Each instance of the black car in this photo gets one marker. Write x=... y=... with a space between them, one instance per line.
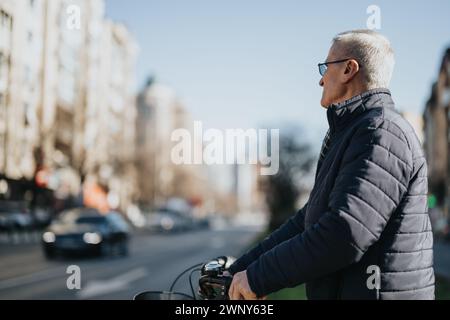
x=15 y=216
x=87 y=231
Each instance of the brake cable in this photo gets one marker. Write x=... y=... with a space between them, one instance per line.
x=190 y=282
x=181 y=274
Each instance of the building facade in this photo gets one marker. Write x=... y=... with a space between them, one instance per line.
x=67 y=105
x=160 y=112
x=21 y=52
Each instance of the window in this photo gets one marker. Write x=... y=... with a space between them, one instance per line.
x=26 y=107
x=5 y=20
x=4 y=66
x=95 y=220
x=1 y=64
x=27 y=72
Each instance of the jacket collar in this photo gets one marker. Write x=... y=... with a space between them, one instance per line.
x=340 y=114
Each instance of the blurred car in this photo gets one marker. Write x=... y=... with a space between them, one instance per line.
x=219 y=221
x=14 y=215
x=167 y=220
x=202 y=223
x=41 y=218
x=84 y=230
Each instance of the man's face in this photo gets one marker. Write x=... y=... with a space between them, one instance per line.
x=332 y=82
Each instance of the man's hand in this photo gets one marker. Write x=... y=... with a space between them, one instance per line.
x=240 y=289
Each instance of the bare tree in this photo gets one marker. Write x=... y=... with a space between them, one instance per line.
x=284 y=189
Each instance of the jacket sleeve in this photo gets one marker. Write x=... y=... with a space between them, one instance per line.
x=294 y=226
x=369 y=185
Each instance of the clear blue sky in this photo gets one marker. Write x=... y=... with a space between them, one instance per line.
x=246 y=63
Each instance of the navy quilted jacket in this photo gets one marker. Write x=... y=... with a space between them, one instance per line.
x=365 y=232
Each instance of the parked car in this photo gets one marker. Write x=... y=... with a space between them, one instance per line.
x=14 y=216
x=202 y=223
x=167 y=220
x=42 y=218
x=85 y=230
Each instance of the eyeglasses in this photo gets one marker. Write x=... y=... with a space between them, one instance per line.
x=324 y=66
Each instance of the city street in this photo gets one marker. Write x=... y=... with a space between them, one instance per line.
x=153 y=263
x=442 y=259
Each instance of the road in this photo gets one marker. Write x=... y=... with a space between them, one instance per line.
x=154 y=262
x=441 y=254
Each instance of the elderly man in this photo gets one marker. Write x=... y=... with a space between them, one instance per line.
x=365 y=232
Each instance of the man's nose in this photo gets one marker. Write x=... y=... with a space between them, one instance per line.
x=321 y=82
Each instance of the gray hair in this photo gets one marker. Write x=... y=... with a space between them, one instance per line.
x=373 y=53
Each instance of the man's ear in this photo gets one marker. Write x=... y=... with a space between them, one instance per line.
x=351 y=70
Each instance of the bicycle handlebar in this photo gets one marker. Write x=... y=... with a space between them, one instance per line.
x=214 y=283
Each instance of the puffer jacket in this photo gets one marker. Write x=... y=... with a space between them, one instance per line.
x=365 y=232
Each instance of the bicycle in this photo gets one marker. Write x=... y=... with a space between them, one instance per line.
x=213 y=284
